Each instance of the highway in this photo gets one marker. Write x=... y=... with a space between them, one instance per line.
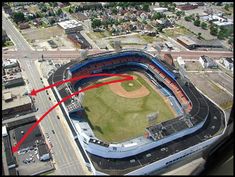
x=66 y=155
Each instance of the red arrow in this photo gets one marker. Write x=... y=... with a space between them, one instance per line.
x=34 y=92
x=126 y=77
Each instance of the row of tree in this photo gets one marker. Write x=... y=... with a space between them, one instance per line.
x=196 y=21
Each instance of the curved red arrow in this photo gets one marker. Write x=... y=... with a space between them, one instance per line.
x=34 y=92
x=126 y=77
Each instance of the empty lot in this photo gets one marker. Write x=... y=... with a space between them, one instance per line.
x=209 y=84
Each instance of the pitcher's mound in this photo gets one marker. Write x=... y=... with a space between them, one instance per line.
x=119 y=90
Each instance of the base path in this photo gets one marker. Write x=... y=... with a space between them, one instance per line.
x=119 y=90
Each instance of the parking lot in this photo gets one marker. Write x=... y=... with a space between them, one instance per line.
x=193 y=66
x=209 y=83
x=39 y=38
x=222 y=79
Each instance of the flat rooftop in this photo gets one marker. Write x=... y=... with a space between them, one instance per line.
x=18 y=99
x=69 y=24
x=31 y=139
x=186 y=40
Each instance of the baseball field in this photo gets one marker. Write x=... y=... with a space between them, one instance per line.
x=115 y=114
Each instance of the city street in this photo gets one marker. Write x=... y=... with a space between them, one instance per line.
x=65 y=152
x=66 y=155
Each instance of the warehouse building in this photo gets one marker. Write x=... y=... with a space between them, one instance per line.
x=70 y=26
x=11 y=66
x=186 y=42
x=19 y=163
x=11 y=80
x=193 y=43
x=14 y=101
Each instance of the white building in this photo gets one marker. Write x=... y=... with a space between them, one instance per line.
x=4 y=131
x=228 y=63
x=70 y=26
x=181 y=62
x=160 y=9
x=207 y=62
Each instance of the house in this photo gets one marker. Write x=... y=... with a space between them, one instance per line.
x=24 y=25
x=207 y=62
x=37 y=22
x=228 y=63
x=7 y=9
x=165 y=23
x=143 y=16
x=46 y=21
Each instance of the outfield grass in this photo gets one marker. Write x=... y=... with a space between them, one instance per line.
x=135 y=85
x=114 y=118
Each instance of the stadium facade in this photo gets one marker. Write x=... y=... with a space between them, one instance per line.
x=199 y=122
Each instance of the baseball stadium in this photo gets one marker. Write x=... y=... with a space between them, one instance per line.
x=136 y=126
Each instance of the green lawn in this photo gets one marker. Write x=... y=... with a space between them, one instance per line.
x=178 y=31
x=131 y=85
x=114 y=118
x=8 y=44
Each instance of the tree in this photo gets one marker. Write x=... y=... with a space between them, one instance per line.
x=197 y=22
x=223 y=33
x=171 y=8
x=214 y=30
x=146 y=7
x=230 y=41
x=96 y=23
x=178 y=13
x=59 y=12
x=18 y=17
x=157 y=15
x=226 y=7
x=44 y=8
x=199 y=35
x=204 y=25
x=70 y=10
x=114 y=10
x=187 y=18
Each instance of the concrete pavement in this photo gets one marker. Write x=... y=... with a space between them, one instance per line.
x=65 y=153
x=76 y=54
